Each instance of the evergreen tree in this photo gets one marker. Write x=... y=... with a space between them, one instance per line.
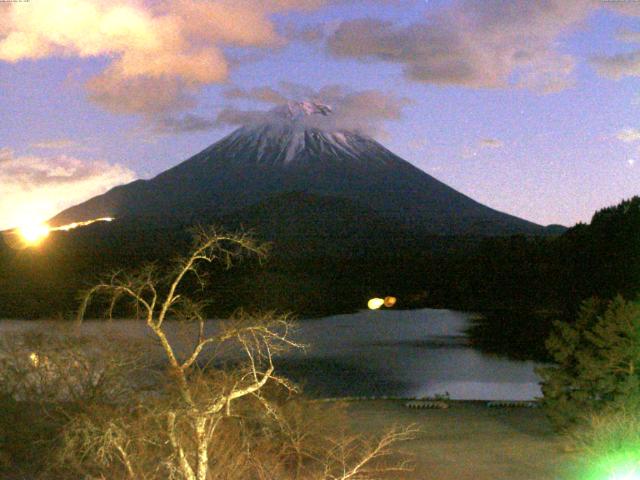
x=597 y=361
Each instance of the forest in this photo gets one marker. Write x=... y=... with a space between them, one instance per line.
x=520 y=284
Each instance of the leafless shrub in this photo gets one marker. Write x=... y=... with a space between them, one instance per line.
x=46 y=379
x=55 y=367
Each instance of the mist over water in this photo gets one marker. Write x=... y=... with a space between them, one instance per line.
x=407 y=353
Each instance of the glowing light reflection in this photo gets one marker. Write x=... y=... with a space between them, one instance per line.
x=376 y=303
x=34 y=358
x=71 y=226
x=625 y=474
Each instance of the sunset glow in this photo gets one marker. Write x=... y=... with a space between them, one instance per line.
x=33 y=234
x=71 y=226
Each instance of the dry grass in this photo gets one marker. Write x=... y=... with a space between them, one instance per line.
x=469 y=441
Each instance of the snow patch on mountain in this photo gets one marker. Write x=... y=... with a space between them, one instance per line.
x=297 y=143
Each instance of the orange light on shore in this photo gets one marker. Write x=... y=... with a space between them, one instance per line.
x=375 y=303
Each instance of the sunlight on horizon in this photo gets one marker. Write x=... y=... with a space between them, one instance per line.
x=33 y=234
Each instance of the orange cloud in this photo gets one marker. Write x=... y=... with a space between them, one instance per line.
x=151 y=96
x=36 y=188
x=166 y=48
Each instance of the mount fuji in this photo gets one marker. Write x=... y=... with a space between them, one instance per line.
x=294 y=152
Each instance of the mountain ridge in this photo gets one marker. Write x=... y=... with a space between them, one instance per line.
x=284 y=154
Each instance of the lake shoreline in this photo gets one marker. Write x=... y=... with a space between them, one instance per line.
x=381 y=353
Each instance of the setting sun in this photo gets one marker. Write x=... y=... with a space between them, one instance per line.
x=34 y=233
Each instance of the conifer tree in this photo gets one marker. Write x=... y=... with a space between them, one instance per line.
x=597 y=362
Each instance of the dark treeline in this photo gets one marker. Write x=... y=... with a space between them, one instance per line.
x=521 y=284
x=311 y=274
x=526 y=284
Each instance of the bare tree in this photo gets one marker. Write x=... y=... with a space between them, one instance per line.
x=48 y=377
x=354 y=458
x=182 y=429
x=318 y=442
x=157 y=297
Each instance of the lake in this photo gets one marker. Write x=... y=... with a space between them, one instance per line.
x=404 y=353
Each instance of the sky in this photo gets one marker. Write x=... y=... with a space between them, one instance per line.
x=531 y=107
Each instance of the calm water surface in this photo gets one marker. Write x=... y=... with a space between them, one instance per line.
x=412 y=353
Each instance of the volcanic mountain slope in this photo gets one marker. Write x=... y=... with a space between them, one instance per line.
x=285 y=153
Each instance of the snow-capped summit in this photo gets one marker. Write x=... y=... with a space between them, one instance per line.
x=297 y=132
x=277 y=143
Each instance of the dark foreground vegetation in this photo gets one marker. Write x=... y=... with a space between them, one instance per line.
x=74 y=407
x=591 y=391
x=116 y=422
x=198 y=406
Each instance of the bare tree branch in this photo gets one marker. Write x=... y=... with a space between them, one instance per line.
x=201 y=398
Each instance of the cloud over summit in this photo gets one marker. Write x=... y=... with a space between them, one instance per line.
x=365 y=111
